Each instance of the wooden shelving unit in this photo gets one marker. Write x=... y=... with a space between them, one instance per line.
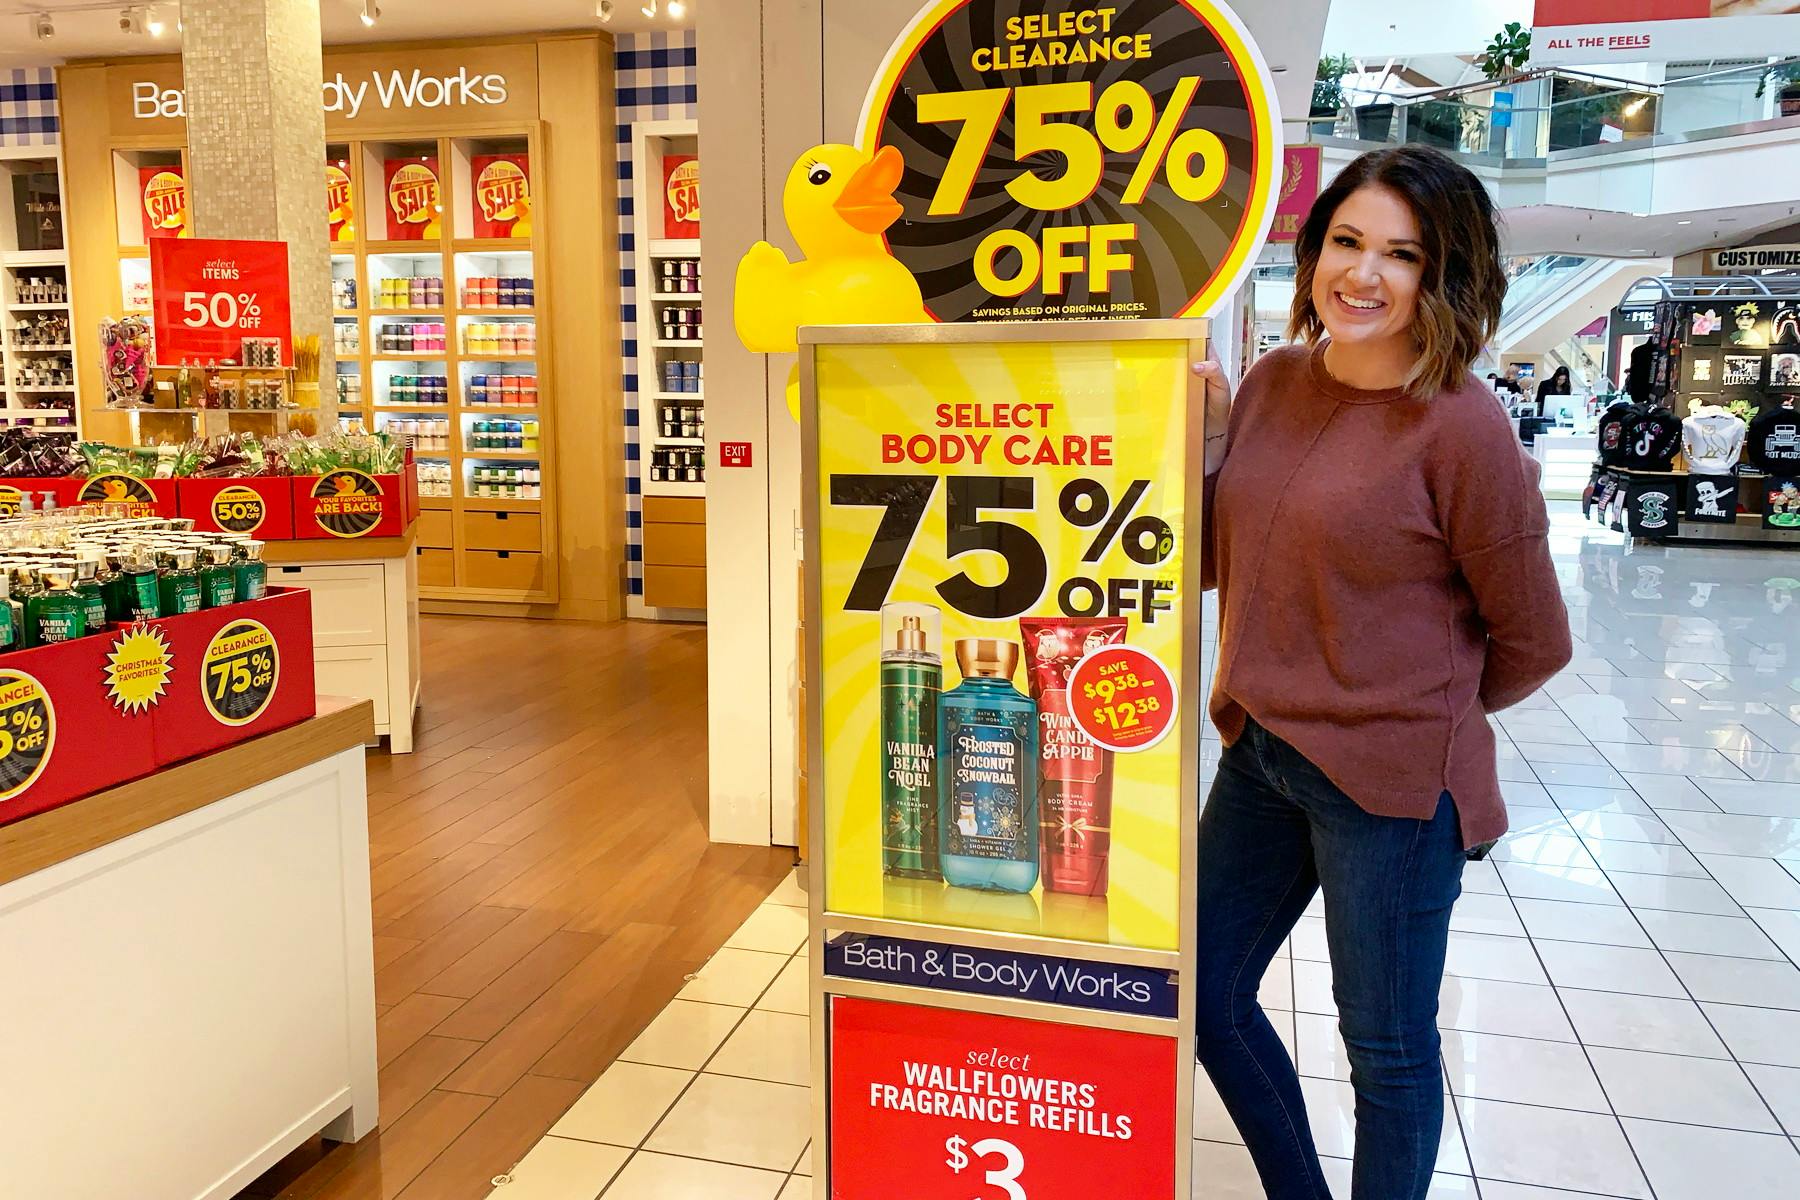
x=674 y=515
x=21 y=262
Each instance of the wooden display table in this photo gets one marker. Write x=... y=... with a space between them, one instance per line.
x=365 y=621
x=190 y=971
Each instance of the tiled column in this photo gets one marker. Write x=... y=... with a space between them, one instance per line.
x=256 y=144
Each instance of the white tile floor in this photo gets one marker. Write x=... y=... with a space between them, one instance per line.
x=1622 y=1003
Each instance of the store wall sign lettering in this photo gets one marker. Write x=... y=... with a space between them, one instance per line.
x=387 y=90
x=211 y=295
x=1077 y=162
x=1299 y=188
x=1585 y=32
x=1785 y=257
x=935 y=1104
x=1014 y=974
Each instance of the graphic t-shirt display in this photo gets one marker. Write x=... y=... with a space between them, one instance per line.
x=1652 y=435
x=1773 y=443
x=1712 y=437
x=1612 y=433
x=1712 y=497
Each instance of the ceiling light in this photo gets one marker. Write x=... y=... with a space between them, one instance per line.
x=1636 y=106
x=677 y=10
x=370 y=14
x=1684 y=222
x=604 y=10
x=154 y=24
x=42 y=27
x=649 y=10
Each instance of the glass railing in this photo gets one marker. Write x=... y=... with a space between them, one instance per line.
x=1542 y=113
x=1539 y=281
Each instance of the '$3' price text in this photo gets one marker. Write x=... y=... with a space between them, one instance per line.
x=1005 y=1176
x=1146 y=540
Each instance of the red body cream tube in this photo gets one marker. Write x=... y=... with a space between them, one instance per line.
x=1074 y=774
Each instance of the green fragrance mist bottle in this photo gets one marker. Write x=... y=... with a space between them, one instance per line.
x=87 y=586
x=218 y=582
x=912 y=676
x=252 y=572
x=131 y=594
x=12 y=616
x=25 y=587
x=988 y=755
x=178 y=591
x=57 y=613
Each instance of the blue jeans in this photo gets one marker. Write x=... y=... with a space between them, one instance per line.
x=1274 y=831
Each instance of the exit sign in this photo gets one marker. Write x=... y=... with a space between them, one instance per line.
x=734 y=454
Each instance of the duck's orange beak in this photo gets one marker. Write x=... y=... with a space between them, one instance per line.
x=867 y=202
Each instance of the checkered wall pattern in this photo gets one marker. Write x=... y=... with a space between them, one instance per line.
x=654 y=81
x=28 y=106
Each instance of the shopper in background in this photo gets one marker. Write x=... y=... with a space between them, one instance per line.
x=1378 y=543
x=1556 y=385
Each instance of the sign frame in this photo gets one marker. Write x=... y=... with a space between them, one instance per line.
x=824 y=923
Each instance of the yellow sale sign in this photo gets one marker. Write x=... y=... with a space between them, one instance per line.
x=1002 y=541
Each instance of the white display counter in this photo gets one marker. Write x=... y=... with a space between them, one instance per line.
x=1567 y=458
x=190 y=988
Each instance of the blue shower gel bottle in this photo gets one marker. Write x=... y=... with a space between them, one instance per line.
x=987 y=778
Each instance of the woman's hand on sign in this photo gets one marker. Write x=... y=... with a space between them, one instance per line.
x=1218 y=411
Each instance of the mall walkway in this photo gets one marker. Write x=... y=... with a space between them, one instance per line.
x=1622 y=1013
x=542 y=884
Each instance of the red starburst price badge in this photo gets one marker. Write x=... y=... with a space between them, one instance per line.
x=1123 y=698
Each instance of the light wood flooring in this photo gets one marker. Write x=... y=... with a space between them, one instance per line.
x=542 y=883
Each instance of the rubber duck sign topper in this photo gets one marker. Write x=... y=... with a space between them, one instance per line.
x=1032 y=160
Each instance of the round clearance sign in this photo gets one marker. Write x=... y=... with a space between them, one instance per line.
x=1069 y=161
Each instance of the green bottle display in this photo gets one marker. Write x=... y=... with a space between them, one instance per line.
x=252 y=572
x=58 y=613
x=987 y=765
x=178 y=591
x=87 y=586
x=218 y=582
x=131 y=594
x=12 y=616
x=25 y=587
x=912 y=678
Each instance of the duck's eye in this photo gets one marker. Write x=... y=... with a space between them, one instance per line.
x=818 y=175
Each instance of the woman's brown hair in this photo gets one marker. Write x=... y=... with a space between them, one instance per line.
x=1463 y=282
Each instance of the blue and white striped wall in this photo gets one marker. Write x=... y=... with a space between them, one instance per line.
x=655 y=80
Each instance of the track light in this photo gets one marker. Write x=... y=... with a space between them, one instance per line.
x=604 y=11
x=370 y=14
x=42 y=27
x=131 y=20
x=649 y=9
x=677 y=10
x=153 y=23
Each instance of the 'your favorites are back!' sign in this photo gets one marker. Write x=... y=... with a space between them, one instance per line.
x=1115 y=160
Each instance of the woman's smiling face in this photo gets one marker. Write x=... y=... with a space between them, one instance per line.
x=1366 y=284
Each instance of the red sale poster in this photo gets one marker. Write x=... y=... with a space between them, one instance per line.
x=681 y=196
x=164 y=195
x=415 y=207
x=502 y=184
x=219 y=301
x=936 y=1104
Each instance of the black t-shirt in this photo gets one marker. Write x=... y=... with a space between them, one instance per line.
x=1612 y=433
x=1651 y=436
x=1773 y=442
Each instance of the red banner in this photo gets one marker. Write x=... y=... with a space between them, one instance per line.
x=937 y=1104
x=681 y=196
x=1594 y=12
x=220 y=302
x=1299 y=188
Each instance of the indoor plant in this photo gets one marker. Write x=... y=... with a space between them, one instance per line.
x=1328 y=90
x=1787 y=77
x=1505 y=56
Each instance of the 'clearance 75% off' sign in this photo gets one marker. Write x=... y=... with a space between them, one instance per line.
x=1104 y=161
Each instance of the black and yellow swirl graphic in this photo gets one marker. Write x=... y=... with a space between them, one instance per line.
x=1180 y=249
x=347 y=503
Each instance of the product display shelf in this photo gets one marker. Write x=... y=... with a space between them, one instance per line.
x=469 y=548
x=674 y=509
x=31 y=182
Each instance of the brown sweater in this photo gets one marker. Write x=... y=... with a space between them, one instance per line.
x=1384 y=583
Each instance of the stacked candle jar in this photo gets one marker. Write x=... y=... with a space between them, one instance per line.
x=499 y=291
x=346 y=338
x=434 y=478
x=343 y=293
x=680 y=324
x=678 y=276
x=428 y=435
x=503 y=435
x=410 y=337
x=349 y=391
x=680 y=375
x=502 y=391
x=678 y=464
x=683 y=420
x=413 y=291
x=410 y=391
x=507 y=483
x=512 y=340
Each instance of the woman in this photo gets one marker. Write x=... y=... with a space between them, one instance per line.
x=1556 y=385
x=1378 y=544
